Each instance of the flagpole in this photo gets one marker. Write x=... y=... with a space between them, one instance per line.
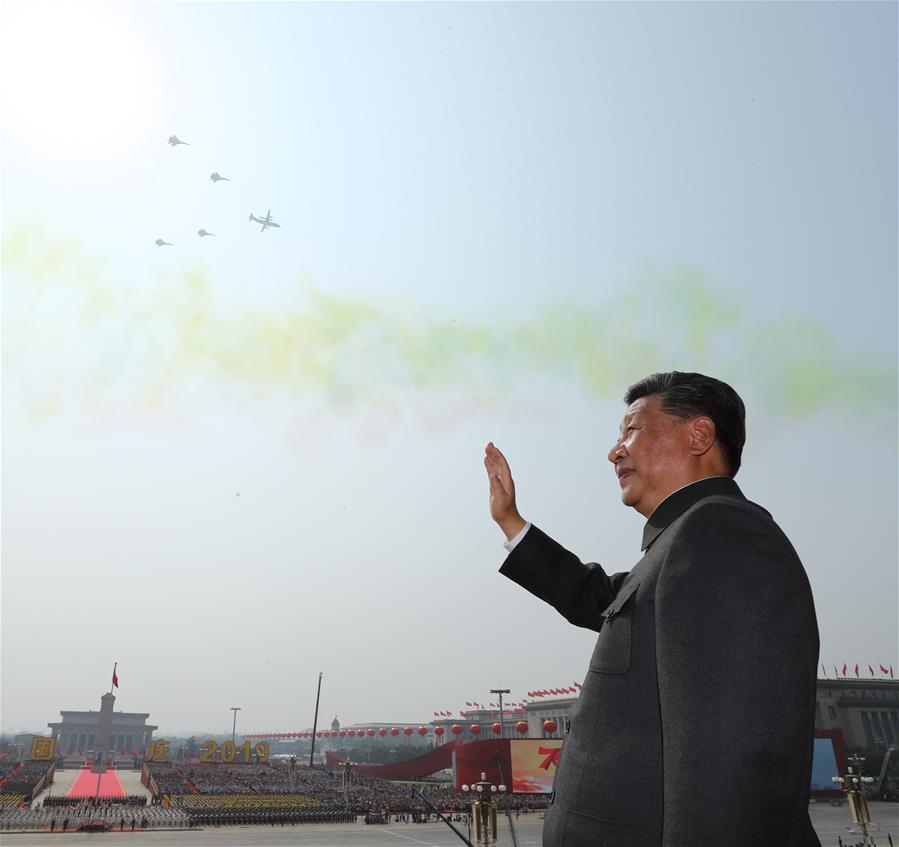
x=315 y=719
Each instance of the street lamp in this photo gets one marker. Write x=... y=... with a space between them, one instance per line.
x=483 y=808
x=234 y=709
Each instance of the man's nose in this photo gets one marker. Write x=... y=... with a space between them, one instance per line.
x=616 y=452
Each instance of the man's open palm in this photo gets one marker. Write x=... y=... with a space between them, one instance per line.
x=503 y=508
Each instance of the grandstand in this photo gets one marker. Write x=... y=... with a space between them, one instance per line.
x=174 y=794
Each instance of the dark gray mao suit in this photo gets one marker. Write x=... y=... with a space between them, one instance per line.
x=695 y=724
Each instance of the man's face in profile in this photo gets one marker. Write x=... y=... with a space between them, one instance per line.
x=650 y=456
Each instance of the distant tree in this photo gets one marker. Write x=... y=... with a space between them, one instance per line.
x=382 y=755
x=191 y=747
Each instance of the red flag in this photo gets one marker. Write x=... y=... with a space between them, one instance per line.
x=115 y=679
x=871 y=669
x=578 y=685
x=883 y=669
x=467 y=703
x=836 y=673
x=856 y=669
x=844 y=669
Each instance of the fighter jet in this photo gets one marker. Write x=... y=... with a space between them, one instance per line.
x=266 y=222
x=215 y=176
x=202 y=233
x=174 y=140
x=161 y=243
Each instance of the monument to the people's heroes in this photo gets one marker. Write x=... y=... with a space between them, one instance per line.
x=104 y=730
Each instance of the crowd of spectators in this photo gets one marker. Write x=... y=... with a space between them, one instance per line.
x=7 y=766
x=24 y=780
x=196 y=786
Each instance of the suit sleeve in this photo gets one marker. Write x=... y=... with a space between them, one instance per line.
x=736 y=653
x=579 y=592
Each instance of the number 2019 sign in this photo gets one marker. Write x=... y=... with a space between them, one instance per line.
x=212 y=752
x=228 y=751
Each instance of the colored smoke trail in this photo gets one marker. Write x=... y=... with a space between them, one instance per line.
x=70 y=328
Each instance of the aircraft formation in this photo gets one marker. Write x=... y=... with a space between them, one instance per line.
x=215 y=176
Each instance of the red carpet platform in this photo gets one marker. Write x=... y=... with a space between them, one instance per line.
x=86 y=785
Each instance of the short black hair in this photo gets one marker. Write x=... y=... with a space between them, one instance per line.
x=687 y=395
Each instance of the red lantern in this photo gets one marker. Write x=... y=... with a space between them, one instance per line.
x=351 y=733
x=343 y=733
x=408 y=730
x=522 y=727
x=371 y=732
x=496 y=728
x=455 y=729
x=422 y=731
x=318 y=735
x=475 y=729
x=438 y=731
x=382 y=732
x=394 y=732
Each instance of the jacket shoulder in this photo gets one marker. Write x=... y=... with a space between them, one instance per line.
x=733 y=527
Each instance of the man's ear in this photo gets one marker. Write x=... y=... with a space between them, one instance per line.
x=701 y=435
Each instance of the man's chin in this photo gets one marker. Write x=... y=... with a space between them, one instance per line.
x=629 y=496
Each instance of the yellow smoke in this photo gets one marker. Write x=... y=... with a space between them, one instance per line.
x=67 y=326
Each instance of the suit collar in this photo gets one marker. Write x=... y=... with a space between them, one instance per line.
x=676 y=503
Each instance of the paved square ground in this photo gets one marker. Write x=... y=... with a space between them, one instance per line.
x=830 y=822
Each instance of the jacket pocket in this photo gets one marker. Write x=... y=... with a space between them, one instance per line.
x=613 y=647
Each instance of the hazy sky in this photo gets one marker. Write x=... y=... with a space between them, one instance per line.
x=236 y=461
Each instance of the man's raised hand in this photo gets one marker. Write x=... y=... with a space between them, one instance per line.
x=502 y=492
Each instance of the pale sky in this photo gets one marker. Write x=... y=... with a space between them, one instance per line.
x=234 y=462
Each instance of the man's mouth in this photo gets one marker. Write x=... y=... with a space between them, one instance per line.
x=623 y=472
